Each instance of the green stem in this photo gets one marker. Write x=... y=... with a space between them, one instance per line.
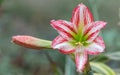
x=87 y=70
x=53 y=65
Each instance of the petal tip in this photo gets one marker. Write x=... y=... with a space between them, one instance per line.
x=52 y=21
x=81 y=4
x=17 y=37
x=21 y=37
x=103 y=23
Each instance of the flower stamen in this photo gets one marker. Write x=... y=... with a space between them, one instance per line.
x=79 y=43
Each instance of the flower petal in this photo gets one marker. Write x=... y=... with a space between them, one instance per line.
x=63 y=45
x=64 y=28
x=92 y=30
x=81 y=16
x=97 y=47
x=81 y=59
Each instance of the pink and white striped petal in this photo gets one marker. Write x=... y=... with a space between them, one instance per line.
x=96 y=47
x=92 y=30
x=63 y=45
x=81 y=59
x=64 y=28
x=81 y=16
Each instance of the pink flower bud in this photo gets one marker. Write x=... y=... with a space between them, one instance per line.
x=31 y=42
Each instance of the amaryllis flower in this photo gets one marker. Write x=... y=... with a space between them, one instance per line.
x=79 y=36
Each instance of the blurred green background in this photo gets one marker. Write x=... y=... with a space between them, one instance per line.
x=32 y=17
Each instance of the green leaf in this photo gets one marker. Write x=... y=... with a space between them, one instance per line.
x=117 y=71
x=70 y=66
x=101 y=68
x=113 y=55
x=97 y=74
x=99 y=58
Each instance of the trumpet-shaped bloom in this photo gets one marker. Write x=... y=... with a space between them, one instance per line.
x=79 y=36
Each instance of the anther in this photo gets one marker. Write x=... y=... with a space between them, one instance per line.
x=79 y=43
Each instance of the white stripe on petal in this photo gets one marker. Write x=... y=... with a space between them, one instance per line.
x=96 y=47
x=92 y=30
x=63 y=45
x=64 y=28
x=97 y=26
x=81 y=59
x=81 y=16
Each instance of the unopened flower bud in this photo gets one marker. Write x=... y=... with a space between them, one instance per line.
x=31 y=42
